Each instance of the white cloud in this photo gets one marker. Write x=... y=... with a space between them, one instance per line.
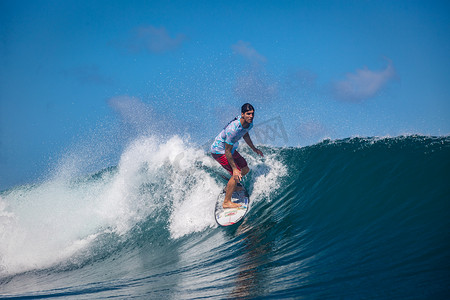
x=253 y=84
x=363 y=84
x=140 y=117
x=256 y=87
x=244 y=49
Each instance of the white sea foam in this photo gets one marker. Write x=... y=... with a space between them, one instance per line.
x=47 y=223
x=266 y=173
x=41 y=224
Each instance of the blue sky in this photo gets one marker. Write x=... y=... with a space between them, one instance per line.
x=77 y=75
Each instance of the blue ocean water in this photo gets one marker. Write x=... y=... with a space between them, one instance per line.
x=349 y=219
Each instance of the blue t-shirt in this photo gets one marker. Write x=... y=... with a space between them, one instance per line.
x=231 y=135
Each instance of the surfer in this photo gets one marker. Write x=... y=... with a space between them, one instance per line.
x=224 y=151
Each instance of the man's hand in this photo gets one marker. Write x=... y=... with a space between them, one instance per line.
x=249 y=142
x=259 y=152
x=237 y=175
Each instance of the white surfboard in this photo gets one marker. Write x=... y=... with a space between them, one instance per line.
x=230 y=216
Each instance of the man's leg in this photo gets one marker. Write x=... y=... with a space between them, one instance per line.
x=227 y=203
x=231 y=187
x=232 y=184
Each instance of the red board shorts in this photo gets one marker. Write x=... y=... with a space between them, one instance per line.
x=223 y=161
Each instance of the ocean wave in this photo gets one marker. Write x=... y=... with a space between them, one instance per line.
x=371 y=213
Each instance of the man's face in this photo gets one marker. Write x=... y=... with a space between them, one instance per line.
x=248 y=116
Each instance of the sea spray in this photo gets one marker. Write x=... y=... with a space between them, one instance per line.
x=172 y=183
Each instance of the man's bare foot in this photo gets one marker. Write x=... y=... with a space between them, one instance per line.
x=230 y=204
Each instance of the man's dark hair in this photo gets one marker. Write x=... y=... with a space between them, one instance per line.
x=246 y=107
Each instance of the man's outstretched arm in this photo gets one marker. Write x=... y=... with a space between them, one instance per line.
x=249 y=142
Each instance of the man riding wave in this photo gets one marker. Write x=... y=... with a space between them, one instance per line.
x=224 y=151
